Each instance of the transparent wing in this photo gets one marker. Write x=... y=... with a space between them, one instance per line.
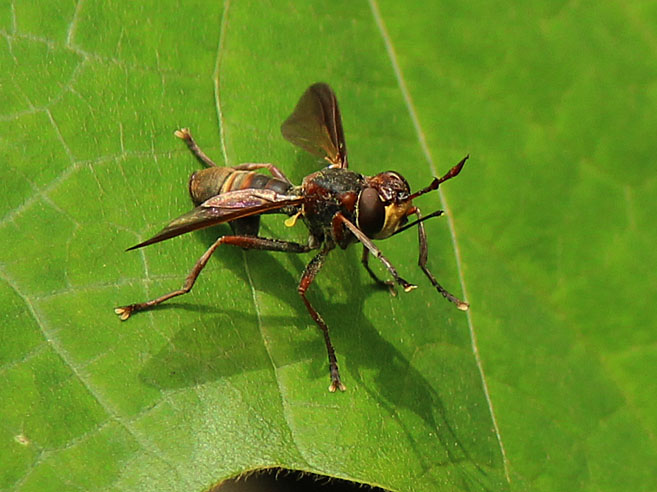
x=315 y=125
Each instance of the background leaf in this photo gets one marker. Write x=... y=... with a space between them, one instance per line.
x=547 y=384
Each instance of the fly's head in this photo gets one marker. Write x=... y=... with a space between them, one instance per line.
x=386 y=201
x=383 y=205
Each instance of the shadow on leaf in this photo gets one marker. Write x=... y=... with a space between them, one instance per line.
x=230 y=342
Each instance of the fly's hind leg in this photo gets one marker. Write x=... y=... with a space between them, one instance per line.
x=193 y=147
x=273 y=170
x=306 y=279
x=185 y=136
x=246 y=242
x=246 y=226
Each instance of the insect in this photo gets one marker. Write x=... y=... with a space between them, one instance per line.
x=339 y=207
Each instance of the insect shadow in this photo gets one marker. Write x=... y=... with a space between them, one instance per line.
x=229 y=342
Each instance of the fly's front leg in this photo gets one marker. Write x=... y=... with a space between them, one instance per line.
x=422 y=262
x=184 y=135
x=246 y=242
x=306 y=279
x=376 y=252
x=388 y=284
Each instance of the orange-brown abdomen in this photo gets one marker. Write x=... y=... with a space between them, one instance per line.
x=212 y=181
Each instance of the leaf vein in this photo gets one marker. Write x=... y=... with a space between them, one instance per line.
x=427 y=153
x=63 y=354
x=216 y=77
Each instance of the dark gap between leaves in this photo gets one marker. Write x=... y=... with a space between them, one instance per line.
x=281 y=480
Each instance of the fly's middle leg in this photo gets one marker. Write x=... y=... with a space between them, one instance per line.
x=388 y=284
x=306 y=279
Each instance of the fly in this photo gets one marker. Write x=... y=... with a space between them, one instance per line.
x=338 y=206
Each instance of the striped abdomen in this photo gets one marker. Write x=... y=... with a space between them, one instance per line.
x=212 y=181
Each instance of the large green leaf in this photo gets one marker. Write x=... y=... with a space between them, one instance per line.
x=547 y=384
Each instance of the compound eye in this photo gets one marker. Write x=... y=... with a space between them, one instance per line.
x=371 y=212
